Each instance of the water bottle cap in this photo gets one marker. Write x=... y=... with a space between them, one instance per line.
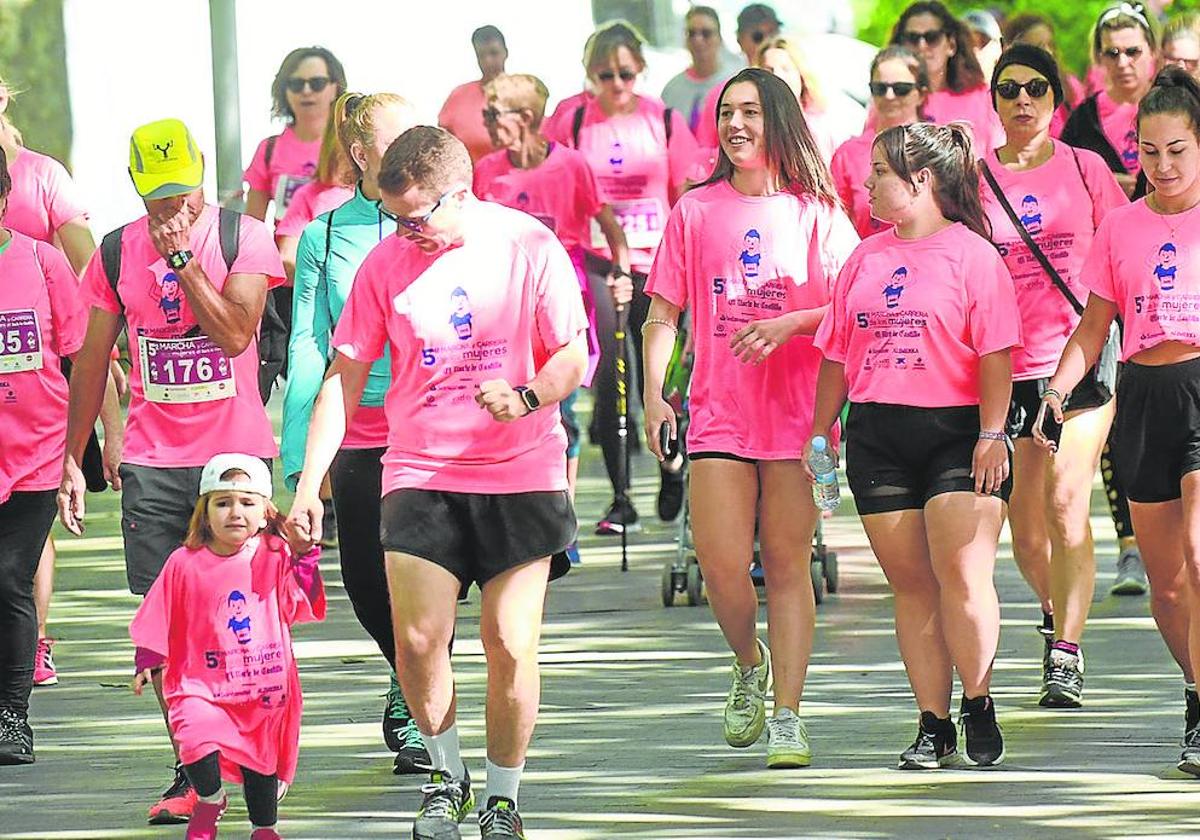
x=818 y=444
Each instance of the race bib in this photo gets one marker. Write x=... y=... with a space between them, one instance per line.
x=20 y=341
x=285 y=189
x=185 y=370
x=640 y=218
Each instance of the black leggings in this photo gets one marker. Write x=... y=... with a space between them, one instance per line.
x=261 y=792
x=604 y=386
x=25 y=521
x=356 y=477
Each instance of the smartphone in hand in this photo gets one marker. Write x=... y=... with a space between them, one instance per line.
x=1052 y=429
x=669 y=445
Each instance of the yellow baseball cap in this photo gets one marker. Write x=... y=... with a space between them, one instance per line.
x=164 y=160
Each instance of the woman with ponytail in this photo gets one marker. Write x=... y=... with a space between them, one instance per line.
x=919 y=335
x=752 y=252
x=1140 y=270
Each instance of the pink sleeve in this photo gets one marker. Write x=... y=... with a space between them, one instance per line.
x=257 y=254
x=362 y=330
x=557 y=126
x=559 y=308
x=832 y=336
x=682 y=152
x=992 y=315
x=833 y=241
x=95 y=287
x=1102 y=185
x=839 y=169
x=587 y=194
x=145 y=659
x=66 y=307
x=1096 y=273
x=256 y=176
x=151 y=626
x=668 y=278
x=62 y=196
x=301 y=590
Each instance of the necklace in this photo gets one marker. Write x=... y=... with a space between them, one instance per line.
x=1185 y=216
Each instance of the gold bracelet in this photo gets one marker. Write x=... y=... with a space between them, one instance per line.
x=665 y=323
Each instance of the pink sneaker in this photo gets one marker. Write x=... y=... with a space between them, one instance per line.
x=266 y=834
x=205 y=816
x=43 y=664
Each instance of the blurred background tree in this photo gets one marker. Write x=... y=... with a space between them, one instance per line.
x=33 y=61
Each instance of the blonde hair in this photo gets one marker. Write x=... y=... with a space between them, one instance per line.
x=1186 y=25
x=519 y=90
x=333 y=163
x=8 y=124
x=811 y=97
x=354 y=115
x=199 y=532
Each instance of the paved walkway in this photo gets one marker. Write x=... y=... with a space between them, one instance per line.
x=629 y=742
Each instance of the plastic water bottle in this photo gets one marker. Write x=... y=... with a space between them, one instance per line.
x=826 y=493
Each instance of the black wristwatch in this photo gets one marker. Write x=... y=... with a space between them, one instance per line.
x=528 y=397
x=178 y=259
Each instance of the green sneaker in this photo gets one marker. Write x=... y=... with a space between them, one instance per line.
x=447 y=803
x=746 y=705
x=787 y=741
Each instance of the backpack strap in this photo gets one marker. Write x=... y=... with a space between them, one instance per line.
x=667 y=124
x=328 y=238
x=229 y=224
x=269 y=151
x=110 y=258
x=576 y=125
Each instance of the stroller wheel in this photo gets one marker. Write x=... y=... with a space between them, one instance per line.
x=668 y=584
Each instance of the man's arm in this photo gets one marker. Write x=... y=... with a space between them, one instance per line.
x=229 y=317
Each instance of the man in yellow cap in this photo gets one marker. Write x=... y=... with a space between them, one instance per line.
x=188 y=280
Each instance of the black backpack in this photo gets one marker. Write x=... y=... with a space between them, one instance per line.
x=272 y=335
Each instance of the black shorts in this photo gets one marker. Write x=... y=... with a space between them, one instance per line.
x=1156 y=436
x=899 y=457
x=476 y=536
x=1027 y=399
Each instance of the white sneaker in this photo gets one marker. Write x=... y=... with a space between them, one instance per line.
x=787 y=741
x=1131 y=573
x=746 y=705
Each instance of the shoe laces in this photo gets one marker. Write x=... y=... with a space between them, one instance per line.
x=784 y=730
x=442 y=798
x=44 y=656
x=410 y=736
x=926 y=741
x=500 y=820
x=179 y=786
x=1192 y=739
x=745 y=686
x=397 y=708
x=1129 y=564
x=1062 y=667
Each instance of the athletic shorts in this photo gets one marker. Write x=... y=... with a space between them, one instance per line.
x=1156 y=436
x=899 y=457
x=477 y=536
x=1027 y=399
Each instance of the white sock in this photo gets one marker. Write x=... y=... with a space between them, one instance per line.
x=503 y=781
x=1189 y=686
x=443 y=752
x=216 y=799
x=254 y=827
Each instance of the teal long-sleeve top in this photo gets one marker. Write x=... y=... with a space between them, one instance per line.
x=331 y=249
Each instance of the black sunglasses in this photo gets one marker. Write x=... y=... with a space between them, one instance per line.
x=608 y=75
x=1114 y=54
x=493 y=114
x=900 y=89
x=933 y=37
x=315 y=83
x=1009 y=89
x=701 y=33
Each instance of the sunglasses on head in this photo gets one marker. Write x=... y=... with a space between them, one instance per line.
x=1009 y=89
x=899 y=89
x=702 y=33
x=933 y=37
x=315 y=83
x=1114 y=53
x=609 y=75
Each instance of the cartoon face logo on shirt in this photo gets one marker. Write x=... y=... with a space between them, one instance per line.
x=616 y=157
x=170 y=297
x=1165 y=270
x=895 y=287
x=1129 y=152
x=239 y=618
x=460 y=313
x=1031 y=214
x=522 y=199
x=751 y=256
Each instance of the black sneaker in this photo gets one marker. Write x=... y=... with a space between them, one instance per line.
x=620 y=517
x=446 y=804
x=936 y=744
x=500 y=821
x=16 y=738
x=1191 y=715
x=671 y=488
x=177 y=802
x=985 y=742
x=1189 y=762
x=1062 y=680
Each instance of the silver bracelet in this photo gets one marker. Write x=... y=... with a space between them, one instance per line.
x=666 y=324
x=1052 y=391
x=992 y=436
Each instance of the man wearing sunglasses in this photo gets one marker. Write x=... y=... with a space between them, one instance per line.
x=755 y=24
x=461 y=113
x=711 y=65
x=481 y=308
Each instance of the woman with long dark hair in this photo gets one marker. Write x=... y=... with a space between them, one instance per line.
x=919 y=336
x=751 y=253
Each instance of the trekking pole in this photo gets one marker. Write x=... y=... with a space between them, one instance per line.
x=623 y=425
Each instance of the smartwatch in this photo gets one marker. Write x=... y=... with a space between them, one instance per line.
x=528 y=397
x=178 y=259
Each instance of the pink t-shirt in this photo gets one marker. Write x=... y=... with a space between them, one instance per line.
x=911 y=318
x=558 y=124
x=310 y=201
x=368 y=429
x=1118 y=121
x=733 y=259
x=561 y=192
x=850 y=167
x=1061 y=212
x=41 y=320
x=636 y=171
x=293 y=164
x=188 y=400
x=43 y=197
x=498 y=306
x=1146 y=270
x=462 y=116
x=223 y=625
x=973 y=106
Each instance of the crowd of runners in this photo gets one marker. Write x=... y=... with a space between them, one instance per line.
x=989 y=264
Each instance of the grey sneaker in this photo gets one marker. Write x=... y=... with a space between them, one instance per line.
x=1131 y=574
x=787 y=741
x=746 y=704
x=1062 y=680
